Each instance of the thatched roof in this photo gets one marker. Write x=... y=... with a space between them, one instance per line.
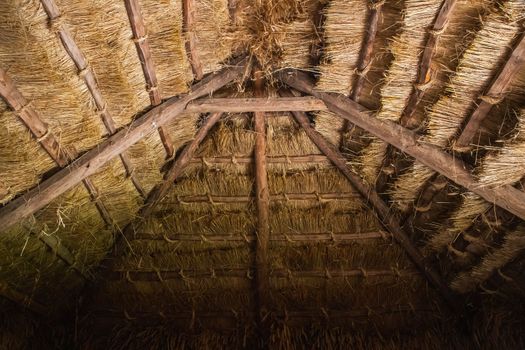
x=244 y=173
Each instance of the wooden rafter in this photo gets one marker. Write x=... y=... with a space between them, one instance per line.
x=257 y=104
x=262 y=201
x=138 y=27
x=364 y=62
x=86 y=72
x=494 y=95
x=41 y=132
x=393 y=160
x=386 y=216
x=232 y=272
x=93 y=160
x=506 y=197
x=188 y=15
x=23 y=300
x=303 y=237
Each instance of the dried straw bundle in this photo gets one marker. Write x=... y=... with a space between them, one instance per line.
x=102 y=32
x=502 y=167
x=512 y=246
x=405 y=47
x=475 y=71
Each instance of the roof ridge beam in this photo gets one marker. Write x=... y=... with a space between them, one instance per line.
x=385 y=215
x=140 y=37
x=91 y=161
x=86 y=72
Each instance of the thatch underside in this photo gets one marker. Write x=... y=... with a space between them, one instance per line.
x=213 y=263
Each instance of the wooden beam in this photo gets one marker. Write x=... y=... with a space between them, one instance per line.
x=188 y=19
x=308 y=158
x=494 y=95
x=334 y=237
x=506 y=197
x=424 y=77
x=386 y=216
x=93 y=160
x=257 y=104
x=23 y=300
x=41 y=132
x=262 y=201
x=232 y=272
x=140 y=37
x=86 y=72
x=277 y=197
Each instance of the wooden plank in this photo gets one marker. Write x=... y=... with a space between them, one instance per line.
x=262 y=202
x=87 y=74
x=334 y=237
x=382 y=210
x=257 y=104
x=493 y=96
x=506 y=197
x=138 y=27
x=188 y=19
x=93 y=160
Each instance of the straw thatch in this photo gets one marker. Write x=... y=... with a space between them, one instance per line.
x=174 y=240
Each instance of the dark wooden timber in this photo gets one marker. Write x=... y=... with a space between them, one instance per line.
x=140 y=38
x=262 y=201
x=87 y=74
x=506 y=197
x=388 y=218
x=188 y=15
x=93 y=160
x=394 y=161
x=23 y=300
x=33 y=121
x=494 y=95
x=304 y=237
x=261 y=104
x=162 y=275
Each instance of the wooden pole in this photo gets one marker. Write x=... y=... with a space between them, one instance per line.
x=303 y=237
x=273 y=198
x=188 y=19
x=140 y=37
x=383 y=212
x=308 y=158
x=262 y=200
x=257 y=104
x=506 y=197
x=163 y=275
x=494 y=95
x=87 y=74
x=94 y=159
